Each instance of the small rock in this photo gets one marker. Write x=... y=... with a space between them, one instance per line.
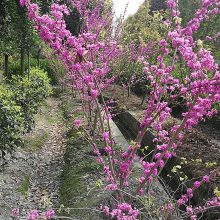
x=7 y=156
x=18 y=155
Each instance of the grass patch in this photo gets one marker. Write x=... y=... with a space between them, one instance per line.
x=76 y=168
x=80 y=174
x=23 y=189
x=46 y=117
x=35 y=141
x=55 y=119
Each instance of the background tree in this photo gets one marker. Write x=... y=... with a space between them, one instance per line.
x=16 y=32
x=157 y=5
x=7 y=36
x=210 y=27
x=142 y=26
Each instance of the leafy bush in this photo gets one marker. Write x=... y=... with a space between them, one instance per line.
x=19 y=101
x=44 y=65
x=30 y=93
x=11 y=120
x=40 y=84
x=15 y=68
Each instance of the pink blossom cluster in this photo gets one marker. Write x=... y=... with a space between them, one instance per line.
x=193 y=212
x=77 y=123
x=185 y=198
x=24 y=2
x=123 y=211
x=34 y=214
x=125 y=168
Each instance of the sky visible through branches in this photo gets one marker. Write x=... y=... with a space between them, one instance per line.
x=120 y=5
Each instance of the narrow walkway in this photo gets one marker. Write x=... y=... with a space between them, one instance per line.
x=31 y=176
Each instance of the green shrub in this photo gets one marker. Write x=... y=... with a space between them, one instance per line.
x=19 y=102
x=11 y=120
x=23 y=97
x=44 y=65
x=15 y=68
x=30 y=93
x=40 y=83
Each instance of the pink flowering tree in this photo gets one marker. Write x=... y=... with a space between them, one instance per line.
x=89 y=59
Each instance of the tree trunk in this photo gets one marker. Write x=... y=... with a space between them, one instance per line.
x=29 y=64
x=95 y=122
x=129 y=90
x=38 y=57
x=6 y=65
x=22 y=61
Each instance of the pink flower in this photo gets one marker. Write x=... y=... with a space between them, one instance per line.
x=189 y=210
x=124 y=167
x=146 y=172
x=163 y=43
x=142 y=179
x=94 y=93
x=150 y=179
x=170 y=207
x=15 y=213
x=162 y=147
x=180 y=202
x=108 y=149
x=197 y=184
x=161 y=163
x=205 y=179
x=141 y=192
x=184 y=198
x=112 y=187
x=33 y=11
x=190 y=195
x=154 y=172
x=157 y=156
x=105 y=135
x=49 y=214
x=124 y=211
x=171 y=3
x=200 y=85
x=33 y=215
x=77 y=122
x=168 y=155
x=189 y=191
x=193 y=217
x=183 y=90
x=106 y=210
x=23 y=2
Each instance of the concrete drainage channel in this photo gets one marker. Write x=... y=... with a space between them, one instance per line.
x=79 y=178
x=161 y=195
x=128 y=124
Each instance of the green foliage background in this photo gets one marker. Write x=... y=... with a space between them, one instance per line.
x=20 y=99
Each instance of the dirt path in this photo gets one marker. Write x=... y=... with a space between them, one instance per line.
x=30 y=177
